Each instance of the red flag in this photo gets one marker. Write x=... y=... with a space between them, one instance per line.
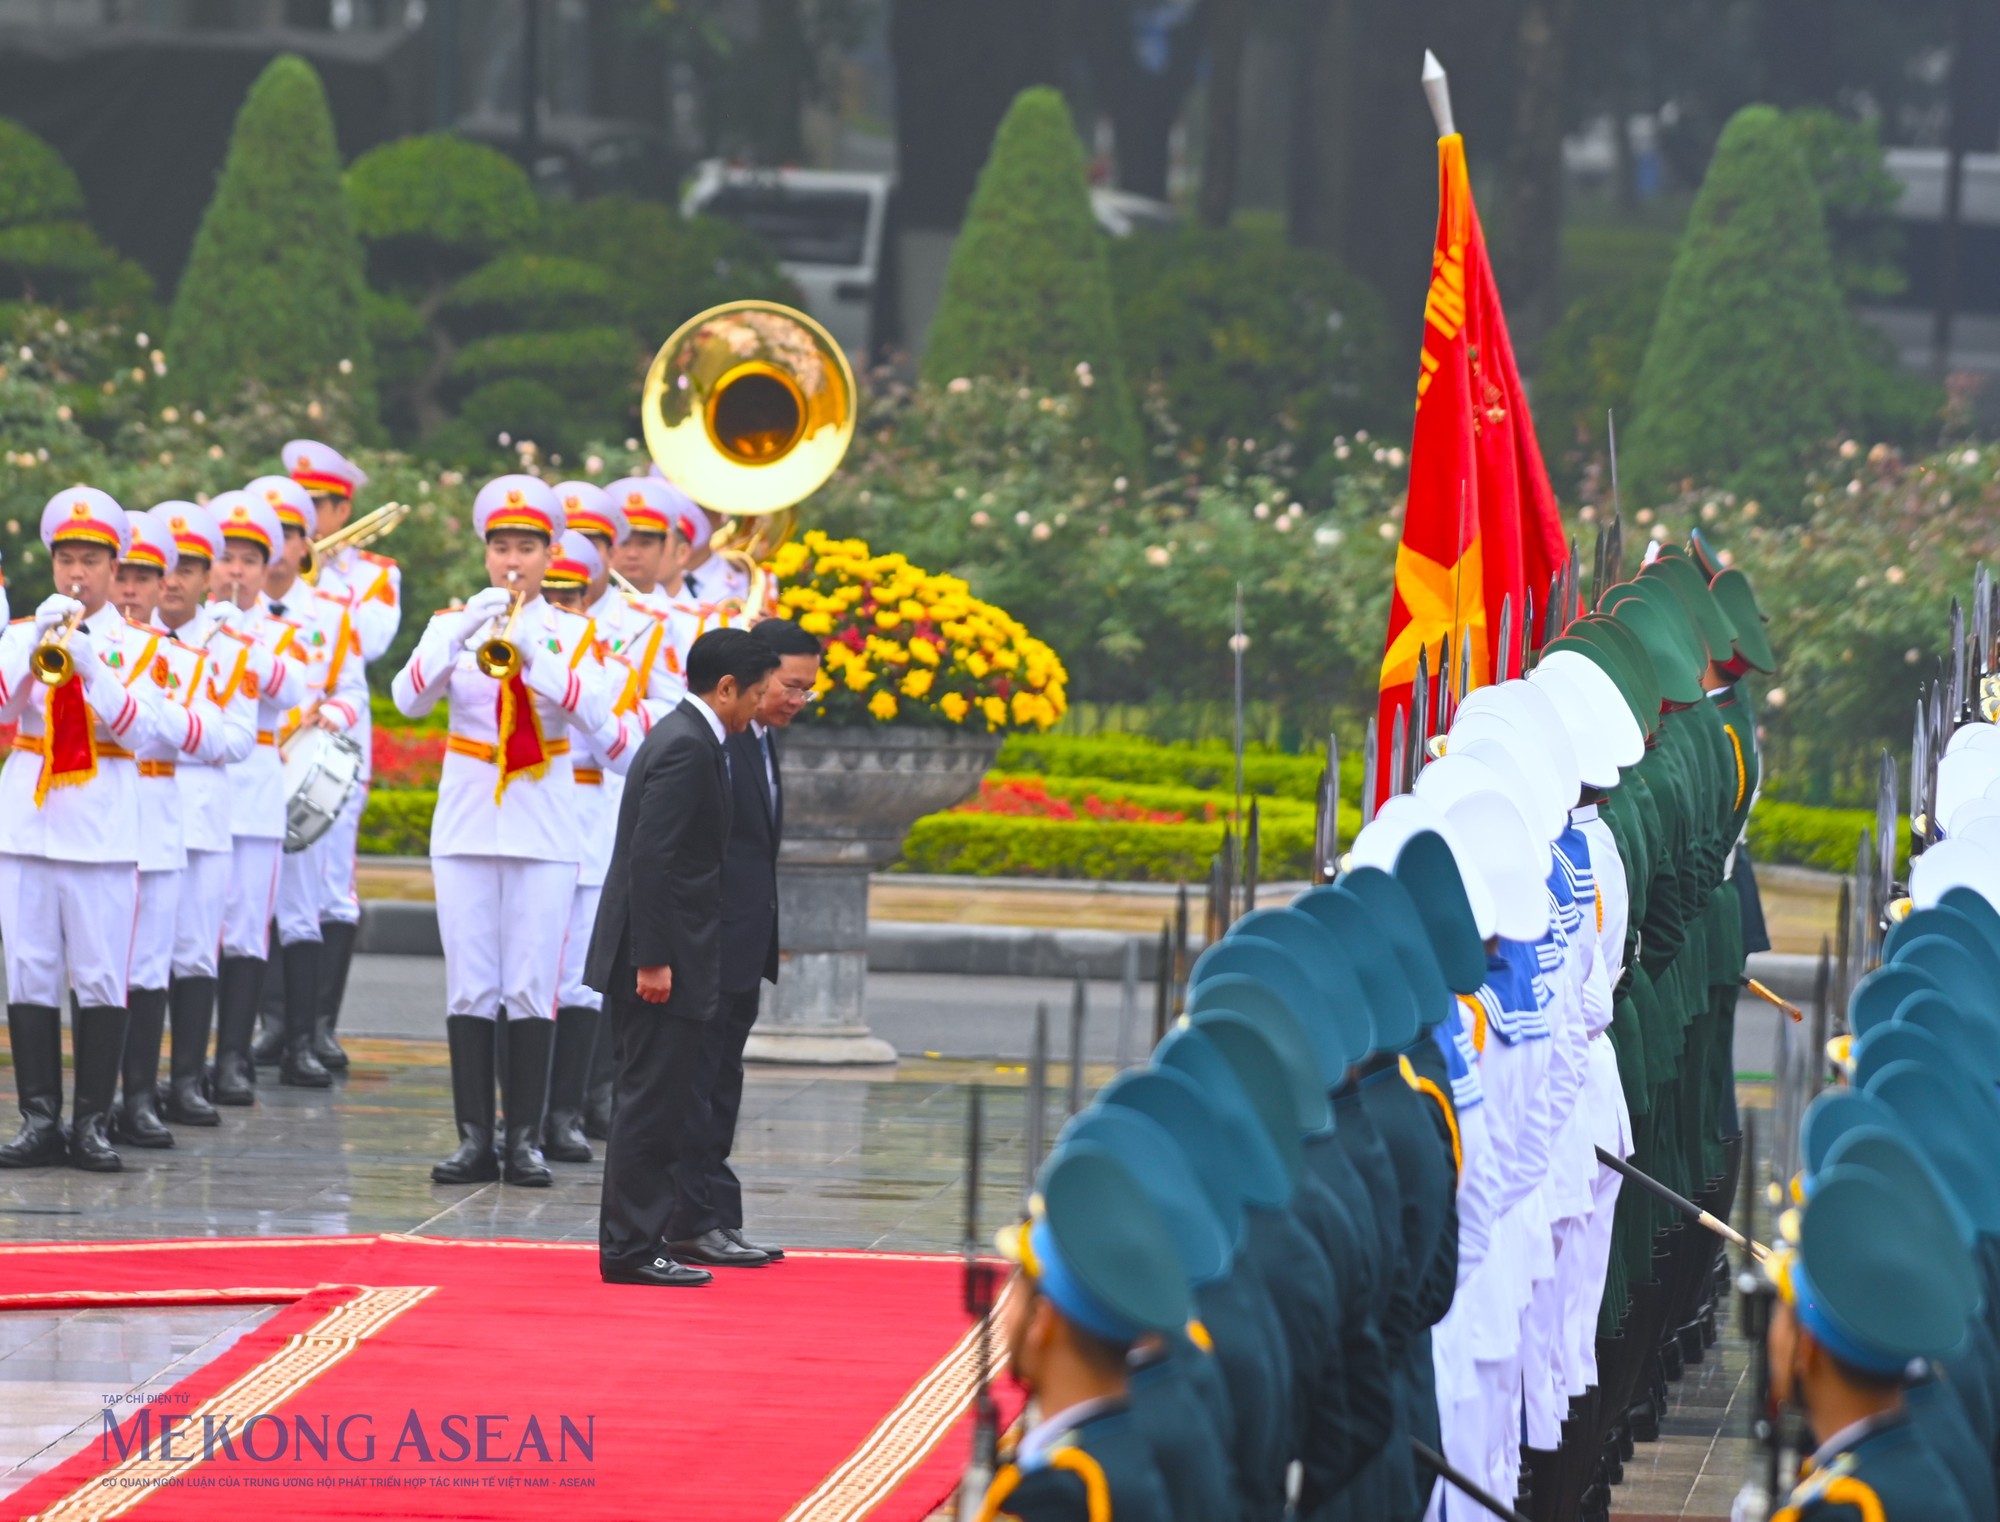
x=1481 y=522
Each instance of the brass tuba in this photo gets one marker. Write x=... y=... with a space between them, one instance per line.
x=748 y=408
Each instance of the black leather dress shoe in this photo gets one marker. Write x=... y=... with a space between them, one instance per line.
x=661 y=1270
x=718 y=1250
x=775 y=1254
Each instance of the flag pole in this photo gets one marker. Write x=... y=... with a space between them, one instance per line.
x=1437 y=90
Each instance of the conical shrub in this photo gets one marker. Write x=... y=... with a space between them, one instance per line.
x=1027 y=295
x=273 y=289
x=1751 y=362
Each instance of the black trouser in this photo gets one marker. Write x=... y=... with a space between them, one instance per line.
x=723 y=1078
x=653 y=1162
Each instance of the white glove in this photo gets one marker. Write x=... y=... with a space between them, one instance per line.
x=545 y=672
x=54 y=609
x=485 y=606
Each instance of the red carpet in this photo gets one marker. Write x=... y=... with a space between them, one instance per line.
x=502 y=1380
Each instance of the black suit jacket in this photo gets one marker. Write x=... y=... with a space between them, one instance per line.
x=663 y=894
x=750 y=868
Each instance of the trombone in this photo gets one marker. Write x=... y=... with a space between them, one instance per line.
x=359 y=534
x=53 y=664
x=499 y=656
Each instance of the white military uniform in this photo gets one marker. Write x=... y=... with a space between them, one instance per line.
x=505 y=852
x=336 y=688
x=370 y=589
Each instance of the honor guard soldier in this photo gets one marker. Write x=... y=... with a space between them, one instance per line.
x=632 y=628
x=69 y=832
x=336 y=699
x=599 y=764
x=709 y=578
x=1097 y=1272
x=371 y=588
x=191 y=731
x=273 y=674
x=654 y=554
x=518 y=676
x=183 y=613
x=1878 y=1280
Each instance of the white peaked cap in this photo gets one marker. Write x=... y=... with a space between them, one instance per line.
x=1451 y=777
x=1954 y=864
x=1982 y=830
x=1382 y=840
x=1601 y=728
x=1963 y=776
x=1978 y=735
x=1969 y=813
x=1539 y=784
x=1504 y=854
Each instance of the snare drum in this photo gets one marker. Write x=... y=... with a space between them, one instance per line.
x=322 y=769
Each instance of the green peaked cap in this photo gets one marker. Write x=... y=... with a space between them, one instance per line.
x=1731 y=590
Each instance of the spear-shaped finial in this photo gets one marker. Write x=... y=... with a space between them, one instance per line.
x=1437 y=90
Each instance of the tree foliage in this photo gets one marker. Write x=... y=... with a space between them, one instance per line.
x=47 y=250
x=1245 y=336
x=273 y=290
x=1751 y=362
x=1027 y=295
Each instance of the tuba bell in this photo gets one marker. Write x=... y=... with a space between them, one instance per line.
x=749 y=408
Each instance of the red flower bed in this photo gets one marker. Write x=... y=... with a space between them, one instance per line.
x=1031 y=800
x=407 y=758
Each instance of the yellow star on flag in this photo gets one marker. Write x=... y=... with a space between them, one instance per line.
x=1432 y=592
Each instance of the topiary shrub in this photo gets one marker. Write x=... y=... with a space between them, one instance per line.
x=273 y=288
x=1027 y=295
x=1589 y=364
x=1245 y=336
x=48 y=252
x=1752 y=362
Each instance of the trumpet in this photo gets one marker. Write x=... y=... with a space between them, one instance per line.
x=500 y=656
x=53 y=664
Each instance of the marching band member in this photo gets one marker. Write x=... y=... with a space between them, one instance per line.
x=205 y=802
x=505 y=839
x=335 y=699
x=660 y=518
x=274 y=676
x=600 y=772
x=632 y=628
x=709 y=577
x=190 y=731
x=69 y=832
x=371 y=586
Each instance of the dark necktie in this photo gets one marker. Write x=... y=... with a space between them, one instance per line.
x=770 y=759
x=693 y=587
x=277 y=610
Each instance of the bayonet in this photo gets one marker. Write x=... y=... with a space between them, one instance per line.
x=1956 y=700
x=1505 y=645
x=1369 y=776
x=1420 y=721
x=1398 y=752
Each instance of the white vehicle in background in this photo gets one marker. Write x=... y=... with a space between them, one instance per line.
x=827 y=227
x=833 y=231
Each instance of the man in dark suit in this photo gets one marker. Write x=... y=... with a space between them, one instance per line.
x=750 y=909
x=656 y=956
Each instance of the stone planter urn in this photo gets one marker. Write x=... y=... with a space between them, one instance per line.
x=851 y=795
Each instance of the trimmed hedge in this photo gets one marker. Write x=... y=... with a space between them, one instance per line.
x=990 y=845
x=1800 y=835
x=1211 y=768
x=1161 y=798
x=397 y=821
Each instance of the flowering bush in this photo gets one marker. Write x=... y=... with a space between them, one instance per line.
x=1029 y=798
x=903 y=644
x=407 y=758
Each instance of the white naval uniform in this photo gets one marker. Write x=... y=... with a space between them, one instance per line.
x=190 y=730
x=69 y=869
x=337 y=688
x=506 y=866
x=371 y=586
x=602 y=760
x=205 y=800
x=277 y=679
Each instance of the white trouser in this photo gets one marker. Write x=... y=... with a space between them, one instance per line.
x=198 y=914
x=153 y=930
x=301 y=880
x=338 y=899
x=1593 y=1252
x=573 y=992
x=253 y=889
x=67 y=922
x=503 y=920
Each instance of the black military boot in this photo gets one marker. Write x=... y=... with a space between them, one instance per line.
x=562 y=1136
x=191 y=1009
x=471 y=1042
x=99 y=1049
x=338 y=937
x=235 y=1019
x=137 y=1118
x=597 y=1084
x=269 y=1049
x=34 y=1031
x=299 y=1068
x=526 y=1098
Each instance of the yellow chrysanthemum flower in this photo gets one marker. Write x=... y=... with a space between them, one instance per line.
x=954 y=706
x=883 y=706
x=917 y=682
x=995 y=710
